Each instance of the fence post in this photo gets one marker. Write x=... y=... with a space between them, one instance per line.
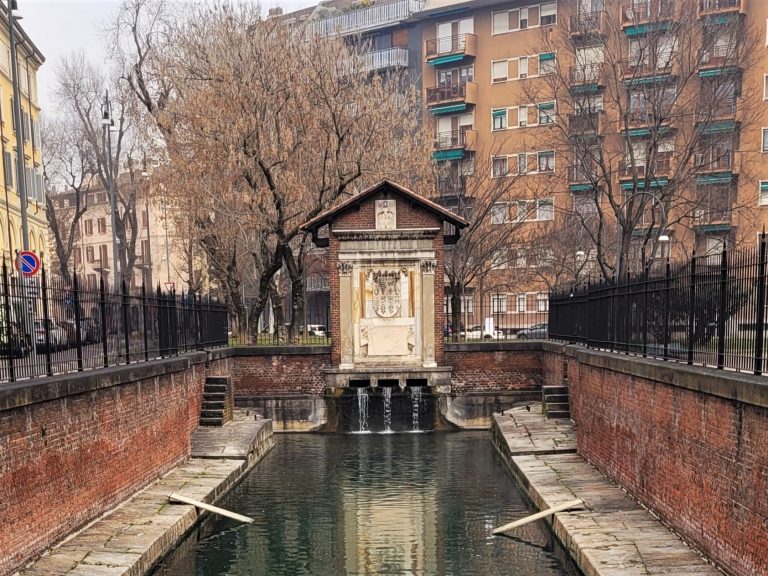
x=124 y=306
x=46 y=319
x=144 y=320
x=173 y=323
x=103 y=309
x=691 y=309
x=9 y=324
x=184 y=320
x=721 y=316
x=645 y=311
x=196 y=304
x=760 y=320
x=78 y=336
x=667 y=282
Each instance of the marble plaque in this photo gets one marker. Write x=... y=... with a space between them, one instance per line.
x=386 y=217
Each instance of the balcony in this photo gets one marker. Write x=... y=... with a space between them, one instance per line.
x=715 y=7
x=712 y=219
x=453 y=145
x=588 y=24
x=450 y=49
x=376 y=16
x=452 y=98
x=717 y=160
x=646 y=12
x=718 y=61
x=586 y=74
x=662 y=168
x=639 y=72
x=590 y=123
x=581 y=175
x=385 y=59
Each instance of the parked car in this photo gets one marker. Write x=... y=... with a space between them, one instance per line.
x=537 y=331
x=56 y=338
x=478 y=332
x=18 y=345
x=69 y=329
x=90 y=330
x=316 y=330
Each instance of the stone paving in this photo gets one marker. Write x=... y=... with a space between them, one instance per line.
x=612 y=535
x=129 y=540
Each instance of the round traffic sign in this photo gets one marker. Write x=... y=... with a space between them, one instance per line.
x=28 y=263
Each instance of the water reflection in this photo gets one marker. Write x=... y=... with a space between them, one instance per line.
x=374 y=504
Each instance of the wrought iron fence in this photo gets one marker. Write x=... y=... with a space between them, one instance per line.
x=274 y=327
x=708 y=311
x=48 y=326
x=498 y=316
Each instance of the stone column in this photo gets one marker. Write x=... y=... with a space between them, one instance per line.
x=428 y=312
x=345 y=315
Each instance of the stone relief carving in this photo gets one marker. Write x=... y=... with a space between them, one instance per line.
x=344 y=267
x=385 y=215
x=364 y=341
x=411 y=340
x=386 y=293
x=428 y=266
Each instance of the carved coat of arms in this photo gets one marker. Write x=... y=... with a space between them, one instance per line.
x=386 y=293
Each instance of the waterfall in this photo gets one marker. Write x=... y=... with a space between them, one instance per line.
x=362 y=409
x=415 y=405
x=387 y=408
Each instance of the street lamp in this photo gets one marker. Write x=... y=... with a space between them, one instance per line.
x=106 y=126
x=663 y=237
x=147 y=175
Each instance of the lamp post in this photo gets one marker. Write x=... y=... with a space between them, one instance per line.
x=149 y=229
x=106 y=125
x=167 y=258
x=662 y=236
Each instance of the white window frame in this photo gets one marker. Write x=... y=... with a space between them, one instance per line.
x=538 y=161
x=545 y=70
x=498 y=303
x=522 y=157
x=547 y=113
x=765 y=86
x=541 y=13
x=522 y=116
x=505 y=121
x=500 y=213
x=506 y=27
x=524 y=299
x=495 y=80
x=520 y=74
x=762 y=201
x=493 y=172
x=542 y=302
x=539 y=203
x=520 y=20
x=763 y=141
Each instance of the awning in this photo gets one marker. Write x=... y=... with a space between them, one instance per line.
x=712 y=179
x=446 y=59
x=442 y=155
x=447 y=109
x=547 y=56
x=546 y=106
x=498 y=113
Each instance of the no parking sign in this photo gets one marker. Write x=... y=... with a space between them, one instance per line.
x=28 y=263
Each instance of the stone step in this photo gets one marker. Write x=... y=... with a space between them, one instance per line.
x=558 y=414
x=215 y=387
x=554 y=390
x=217 y=380
x=220 y=396
x=556 y=398
x=213 y=405
x=557 y=407
x=211 y=421
x=211 y=414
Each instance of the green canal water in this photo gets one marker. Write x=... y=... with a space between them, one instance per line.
x=372 y=504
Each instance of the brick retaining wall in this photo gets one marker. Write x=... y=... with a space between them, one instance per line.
x=494 y=366
x=280 y=370
x=74 y=446
x=690 y=443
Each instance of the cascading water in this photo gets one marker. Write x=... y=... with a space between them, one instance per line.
x=362 y=409
x=387 y=391
x=415 y=406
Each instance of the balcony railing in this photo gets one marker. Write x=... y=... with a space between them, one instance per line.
x=582 y=175
x=707 y=7
x=585 y=74
x=638 y=11
x=662 y=167
x=632 y=69
x=588 y=23
x=712 y=215
x=445 y=46
x=464 y=138
x=463 y=92
x=366 y=18
x=385 y=59
x=717 y=160
x=582 y=123
x=720 y=56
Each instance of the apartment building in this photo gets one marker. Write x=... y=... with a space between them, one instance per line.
x=29 y=61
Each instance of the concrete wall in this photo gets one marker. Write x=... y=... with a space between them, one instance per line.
x=690 y=443
x=74 y=446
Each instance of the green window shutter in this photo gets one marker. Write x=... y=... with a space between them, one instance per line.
x=547 y=56
x=498 y=113
x=546 y=106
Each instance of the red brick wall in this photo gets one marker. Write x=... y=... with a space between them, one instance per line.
x=699 y=460
x=66 y=460
x=264 y=375
x=488 y=370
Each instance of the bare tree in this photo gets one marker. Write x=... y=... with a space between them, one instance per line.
x=641 y=118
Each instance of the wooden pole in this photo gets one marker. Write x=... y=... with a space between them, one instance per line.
x=173 y=497
x=538 y=515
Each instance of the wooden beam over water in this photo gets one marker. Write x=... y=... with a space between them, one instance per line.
x=173 y=497
x=539 y=515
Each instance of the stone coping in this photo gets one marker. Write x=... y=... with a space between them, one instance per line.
x=284 y=350
x=611 y=535
x=494 y=346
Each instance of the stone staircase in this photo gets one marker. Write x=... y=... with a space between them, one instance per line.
x=218 y=401
x=555 y=402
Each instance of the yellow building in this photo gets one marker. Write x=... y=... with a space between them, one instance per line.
x=29 y=61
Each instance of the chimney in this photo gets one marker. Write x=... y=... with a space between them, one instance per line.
x=275 y=12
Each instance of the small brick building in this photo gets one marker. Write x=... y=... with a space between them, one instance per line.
x=386 y=261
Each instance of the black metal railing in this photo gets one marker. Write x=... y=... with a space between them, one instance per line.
x=274 y=327
x=708 y=311
x=49 y=327
x=498 y=316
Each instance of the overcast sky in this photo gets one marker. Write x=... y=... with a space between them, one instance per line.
x=60 y=27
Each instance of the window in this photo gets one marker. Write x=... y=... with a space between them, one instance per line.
x=500 y=260
x=145 y=219
x=499 y=119
x=102 y=225
x=547 y=113
x=522 y=67
x=88 y=227
x=499 y=303
x=523 y=214
x=765 y=140
x=145 y=250
x=521 y=300
x=535 y=210
x=547 y=161
x=762 y=199
x=765 y=86
x=499 y=213
x=547 y=63
x=522 y=163
x=103 y=256
x=13 y=116
x=78 y=256
x=499 y=71
x=545 y=210
x=500 y=166
x=714 y=250
x=523 y=18
x=549 y=14
x=522 y=116
x=542 y=302
x=467 y=304
x=500 y=22
x=89 y=254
